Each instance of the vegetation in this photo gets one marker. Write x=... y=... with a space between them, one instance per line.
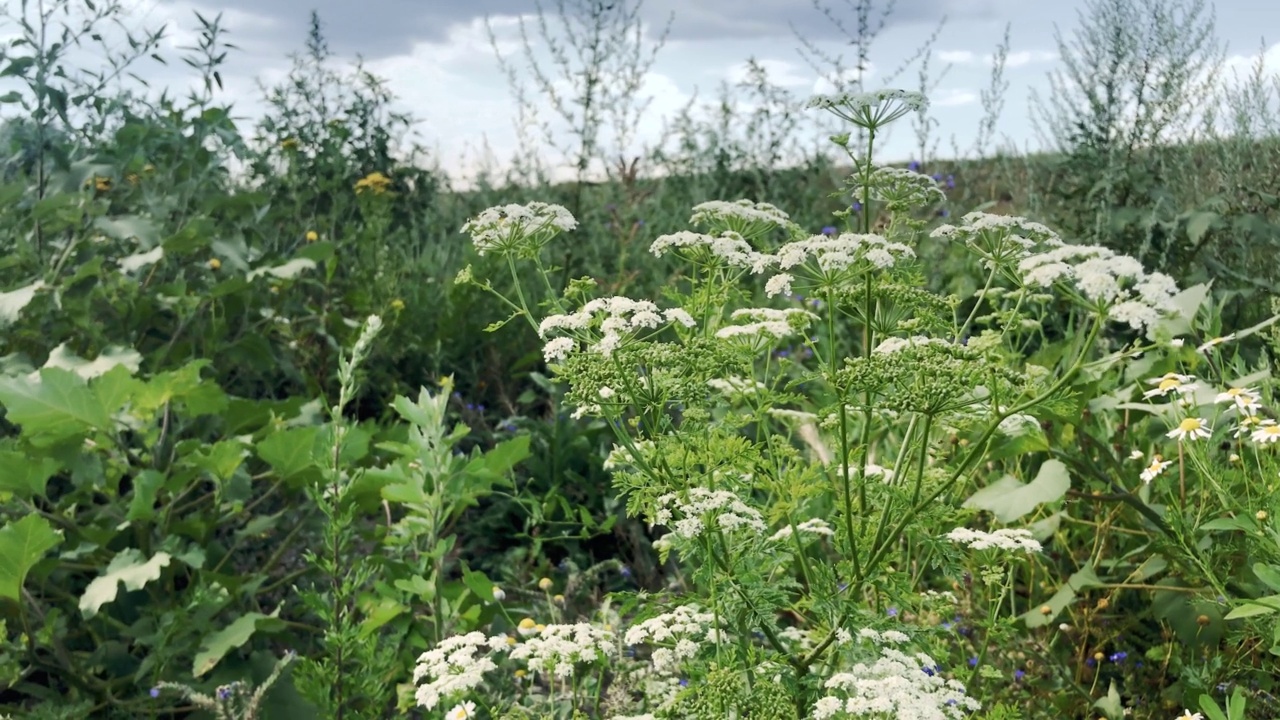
x=743 y=426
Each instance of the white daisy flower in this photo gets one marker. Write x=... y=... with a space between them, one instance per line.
x=1153 y=470
x=1191 y=428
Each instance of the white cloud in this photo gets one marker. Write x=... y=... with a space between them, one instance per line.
x=953 y=97
x=957 y=57
x=1017 y=59
x=783 y=73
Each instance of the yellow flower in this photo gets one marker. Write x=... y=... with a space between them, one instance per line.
x=397 y=305
x=101 y=184
x=375 y=182
x=544 y=584
x=312 y=236
x=527 y=627
x=521 y=673
x=215 y=263
x=1190 y=429
x=558 y=599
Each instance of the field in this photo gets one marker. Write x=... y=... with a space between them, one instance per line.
x=296 y=426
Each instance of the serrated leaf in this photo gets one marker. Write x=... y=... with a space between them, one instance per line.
x=22 y=545
x=478 y=583
x=23 y=476
x=128 y=567
x=289 y=451
x=12 y=302
x=59 y=404
x=143 y=503
x=1008 y=499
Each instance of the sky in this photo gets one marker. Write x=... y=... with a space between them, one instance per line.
x=437 y=58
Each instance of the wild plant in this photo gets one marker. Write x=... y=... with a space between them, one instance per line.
x=804 y=454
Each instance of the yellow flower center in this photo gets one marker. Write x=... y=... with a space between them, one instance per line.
x=1169 y=384
x=1270 y=430
x=1190 y=425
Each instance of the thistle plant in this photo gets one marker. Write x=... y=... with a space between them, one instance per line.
x=804 y=493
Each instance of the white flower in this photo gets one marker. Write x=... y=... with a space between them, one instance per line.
x=1136 y=455
x=1153 y=470
x=699 y=506
x=1190 y=428
x=1011 y=539
x=896 y=685
x=1268 y=432
x=778 y=285
x=1246 y=400
x=505 y=227
x=558 y=348
x=815 y=526
x=462 y=712
x=1171 y=382
x=558 y=648
x=1188 y=715
x=679 y=635
x=454 y=667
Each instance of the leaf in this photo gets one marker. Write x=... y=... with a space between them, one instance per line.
x=22 y=545
x=130 y=227
x=1261 y=606
x=1112 y=706
x=1186 y=305
x=217 y=644
x=289 y=451
x=1200 y=223
x=23 y=476
x=142 y=506
x=1268 y=574
x=1082 y=579
x=107 y=360
x=126 y=567
x=58 y=404
x=133 y=263
x=12 y=302
x=478 y=583
x=287 y=271
x=1009 y=499
x=220 y=459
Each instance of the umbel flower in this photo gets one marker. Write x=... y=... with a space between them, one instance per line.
x=870 y=110
x=518 y=228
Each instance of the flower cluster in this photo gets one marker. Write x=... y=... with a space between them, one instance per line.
x=895 y=685
x=729 y=247
x=844 y=251
x=684 y=630
x=815 y=526
x=1011 y=539
x=1115 y=285
x=898 y=188
x=614 y=316
x=871 y=109
x=557 y=648
x=455 y=666
x=509 y=228
x=998 y=238
x=700 y=507
x=767 y=321
x=747 y=219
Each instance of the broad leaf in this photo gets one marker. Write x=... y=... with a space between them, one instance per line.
x=217 y=644
x=12 y=302
x=22 y=545
x=1008 y=499
x=127 y=567
x=289 y=451
x=107 y=360
x=58 y=404
x=23 y=476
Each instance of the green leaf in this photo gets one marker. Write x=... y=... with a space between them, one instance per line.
x=12 y=302
x=1252 y=608
x=289 y=451
x=1083 y=579
x=1211 y=709
x=1112 y=706
x=126 y=567
x=22 y=545
x=418 y=586
x=58 y=404
x=130 y=227
x=1008 y=499
x=220 y=459
x=286 y=271
x=1200 y=223
x=478 y=583
x=1268 y=574
x=24 y=476
x=142 y=506
x=217 y=644
x=110 y=358
x=134 y=263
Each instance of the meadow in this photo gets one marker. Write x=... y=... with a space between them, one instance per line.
x=749 y=426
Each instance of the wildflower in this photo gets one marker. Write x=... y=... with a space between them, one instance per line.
x=374 y=182
x=1188 y=715
x=1171 y=382
x=1011 y=539
x=155 y=692
x=463 y=711
x=1268 y=432
x=397 y=304
x=1136 y=455
x=743 y=218
x=1260 y=515
x=1153 y=470
x=700 y=507
x=101 y=184
x=558 y=599
x=544 y=584
x=1190 y=429
x=312 y=236
x=215 y=263
x=558 y=648
x=873 y=109
x=1210 y=344
x=499 y=594
x=506 y=228
x=1177 y=343
x=1245 y=400
x=526 y=627
x=729 y=247
x=895 y=685
x=454 y=666
x=815 y=526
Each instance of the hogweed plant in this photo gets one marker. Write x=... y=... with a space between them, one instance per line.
x=798 y=419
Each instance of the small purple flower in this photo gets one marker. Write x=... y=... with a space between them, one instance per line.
x=892 y=612
x=937 y=177
x=829 y=230
x=684 y=682
x=626 y=571
x=856 y=206
x=944 y=213
x=155 y=692
x=913 y=165
x=1117 y=657
x=639 y=223
x=1018 y=675
x=951 y=181
x=973 y=662
x=1090 y=662
x=508 y=426
x=843 y=587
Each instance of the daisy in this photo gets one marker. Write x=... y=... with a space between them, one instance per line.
x=1210 y=344
x=1188 y=715
x=1268 y=432
x=1171 y=382
x=1246 y=400
x=1153 y=470
x=463 y=711
x=1247 y=425
x=1190 y=429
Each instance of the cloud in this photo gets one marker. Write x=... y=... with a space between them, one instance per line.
x=1012 y=60
x=953 y=97
x=783 y=73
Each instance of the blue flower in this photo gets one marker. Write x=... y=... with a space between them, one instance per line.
x=913 y=165
x=892 y=612
x=155 y=692
x=829 y=230
x=626 y=571
x=684 y=682
x=856 y=206
x=973 y=662
x=1118 y=656
x=1018 y=675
